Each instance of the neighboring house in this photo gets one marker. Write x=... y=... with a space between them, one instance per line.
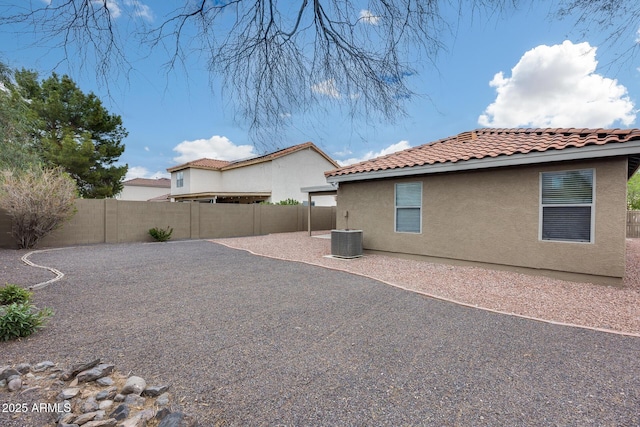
x=273 y=177
x=143 y=189
x=547 y=199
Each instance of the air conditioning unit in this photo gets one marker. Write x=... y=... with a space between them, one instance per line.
x=346 y=243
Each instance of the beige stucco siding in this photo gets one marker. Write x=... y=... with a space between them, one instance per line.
x=492 y=216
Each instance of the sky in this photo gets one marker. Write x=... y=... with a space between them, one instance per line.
x=519 y=68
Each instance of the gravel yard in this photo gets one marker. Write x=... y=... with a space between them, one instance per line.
x=584 y=304
x=248 y=340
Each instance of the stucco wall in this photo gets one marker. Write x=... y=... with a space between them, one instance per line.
x=252 y=178
x=492 y=216
x=115 y=221
x=140 y=193
x=304 y=168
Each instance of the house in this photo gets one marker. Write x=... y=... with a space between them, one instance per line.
x=143 y=189
x=273 y=177
x=553 y=200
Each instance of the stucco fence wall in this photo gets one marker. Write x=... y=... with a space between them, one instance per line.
x=116 y=221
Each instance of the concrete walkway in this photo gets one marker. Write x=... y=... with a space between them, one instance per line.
x=247 y=340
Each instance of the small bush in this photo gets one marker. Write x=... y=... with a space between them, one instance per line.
x=160 y=234
x=14 y=293
x=21 y=320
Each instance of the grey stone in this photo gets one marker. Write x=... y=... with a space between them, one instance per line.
x=43 y=366
x=85 y=418
x=15 y=384
x=8 y=372
x=134 y=400
x=139 y=420
x=23 y=368
x=121 y=412
x=134 y=385
x=66 y=417
x=154 y=391
x=105 y=381
x=90 y=405
x=76 y=369
x=178 y=419
x=100 y=415
x=93 y=374
x=68 y=393
x=162 y=413
x=66 y=425
x=107 y=393
x=119 y=397
x=3 y=383
x=105 y=404
x=110 y=422
x=163 y=399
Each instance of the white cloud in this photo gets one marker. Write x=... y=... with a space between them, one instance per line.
x=556 y=86
x=327 y=87
x=112 y=6
x=139 y=9
x=398 y=146
x=142 y=172
x=368 y=17
x=638 y=36
x=147 y=149
x=216 y=147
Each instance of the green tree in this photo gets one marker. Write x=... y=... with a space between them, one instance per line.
x=73 y=130
x=633 y=192
x=16 y=152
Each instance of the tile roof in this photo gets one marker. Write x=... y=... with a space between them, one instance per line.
x=276 y=154
x=204 y=163
x=146 y=182
x=214 y=164
x=490 y=143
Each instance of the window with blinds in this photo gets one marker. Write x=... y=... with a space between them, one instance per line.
x=180 y=179
x=567 y=205
x=409 y=207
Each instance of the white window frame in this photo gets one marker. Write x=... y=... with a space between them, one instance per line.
x=396 y=207
x=179 y=179
x=592 y=205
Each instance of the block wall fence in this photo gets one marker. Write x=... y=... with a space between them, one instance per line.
x=116 y=221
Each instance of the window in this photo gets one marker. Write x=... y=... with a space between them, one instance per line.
x=179 y=179
x=567 y=205
x=409 y=207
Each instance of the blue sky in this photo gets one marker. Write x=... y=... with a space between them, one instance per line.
x=519 y=69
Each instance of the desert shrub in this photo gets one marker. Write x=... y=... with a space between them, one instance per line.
x=14 y=293
x=161 y=234
x=38 y=201
x=289 y=201
x=21 y=320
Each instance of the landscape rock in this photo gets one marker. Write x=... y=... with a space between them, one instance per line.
x=105 y=381
x=178 y=419
x=121 y=412
x=76 y=369
x=111 y=422
x=67 y=425
x=134 y=385
x=43 y=366
x=119 y=397
x=134 y=400
x=139 y=420
x=163 y=399
x=93 y=374
x=107 y=394
x=68 y=393
x=105 y=404
x=7 y=373
x=23 y=368
x=15 y=384
x=90 y=405
x=155 y=391
x=85 y=418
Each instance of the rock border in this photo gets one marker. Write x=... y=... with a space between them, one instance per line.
x=90 y=394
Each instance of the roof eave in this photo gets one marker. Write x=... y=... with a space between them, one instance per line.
x=566 y=154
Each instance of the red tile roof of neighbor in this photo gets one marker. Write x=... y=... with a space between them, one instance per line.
x=146 y=182
x=490 y=143
x=214 y=164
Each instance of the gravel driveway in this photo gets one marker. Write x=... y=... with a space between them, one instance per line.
x=248 y=340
